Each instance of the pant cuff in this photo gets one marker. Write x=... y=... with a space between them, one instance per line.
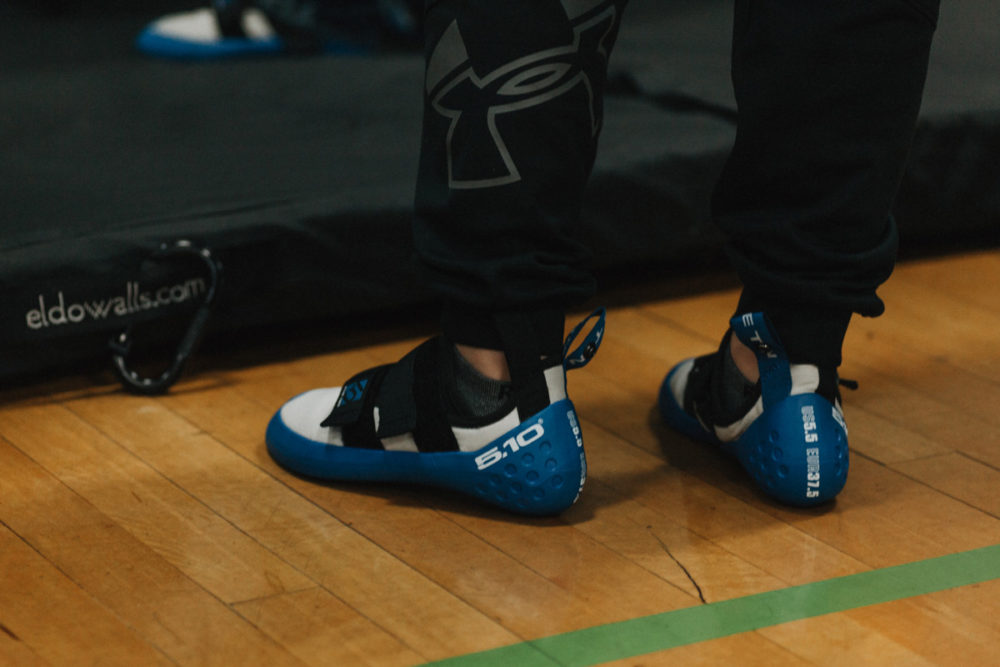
x=809 y=335
x=478 y=328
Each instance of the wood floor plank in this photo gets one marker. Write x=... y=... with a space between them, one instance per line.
x=932 y=405
x=46 y=618
x=152 y=508
x=668 y=548
x=320 y=630
x=784 y=552
x=405 y=523
x=135 y=530
x=936 y=631
x=163 y=606
x=958 y=276
x=889 y=495
x=574 y=561
x=960 y=477
x=237 y=480
x=512 y=575
x=840 y=640
x=13 y=651
x=503 y=534
x=914 y=372
x=978 y=601
x=910 y=424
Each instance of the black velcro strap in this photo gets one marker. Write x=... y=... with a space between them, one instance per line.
x=705 y=397
x=524 y=360
x=407 y=397
x=397 y=409
x=356 y=397
x=433 y=430
x=229 y=16
x=697 y=393
x=353 y=412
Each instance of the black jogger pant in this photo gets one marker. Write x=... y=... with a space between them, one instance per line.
x=827 y=91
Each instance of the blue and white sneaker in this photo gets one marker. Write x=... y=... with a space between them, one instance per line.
x=790 y=434
x=229 y=29
x=396 y=423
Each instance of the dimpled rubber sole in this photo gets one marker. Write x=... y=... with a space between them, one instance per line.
x=796 y=451
x=537 y=468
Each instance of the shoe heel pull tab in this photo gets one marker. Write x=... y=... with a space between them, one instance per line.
x=586 y=350
x=755 y=332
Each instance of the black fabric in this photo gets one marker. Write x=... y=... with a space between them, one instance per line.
x=356 y=418
x=397 y=408
x=298 y=172
x=718 y=394
x=525 y=363
x=828 y=96
x=305 y=25
x=513 y=107
x=433 y=431
x=814 y=334
x=713 y=394
x=478 y=327
x=409 y=398
x=357 y=396
x=229 y=16
x=827 y=100
x=301 y=26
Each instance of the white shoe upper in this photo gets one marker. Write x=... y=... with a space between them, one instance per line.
x=304 y=414
x=200 y=25
x=805 y=380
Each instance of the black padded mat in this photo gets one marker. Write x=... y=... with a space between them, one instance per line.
x=298 y=173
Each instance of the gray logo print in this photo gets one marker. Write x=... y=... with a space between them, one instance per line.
x=472 y=101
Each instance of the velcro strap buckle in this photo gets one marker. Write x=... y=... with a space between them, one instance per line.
x=385 y=392
x=396 y=405
x=351 y=403
x=229 y=16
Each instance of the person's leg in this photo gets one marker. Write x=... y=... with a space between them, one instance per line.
x=513 y=108
x=828 y=95
x=512 y=114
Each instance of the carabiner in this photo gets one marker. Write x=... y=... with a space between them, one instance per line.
x=121 y=344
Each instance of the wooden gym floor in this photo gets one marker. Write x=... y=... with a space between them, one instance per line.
x=141 y=531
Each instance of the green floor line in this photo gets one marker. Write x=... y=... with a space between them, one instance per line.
x=638 y=636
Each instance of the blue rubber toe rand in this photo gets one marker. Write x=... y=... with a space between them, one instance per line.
x=156 y=44
x=537 y=468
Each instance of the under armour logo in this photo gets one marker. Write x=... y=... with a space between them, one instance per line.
x=472 y=101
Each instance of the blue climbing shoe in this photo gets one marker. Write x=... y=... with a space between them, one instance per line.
x=228 y=29
x=789 y=434
x=395 y=423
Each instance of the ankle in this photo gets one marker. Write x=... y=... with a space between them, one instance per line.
x=745 y=359
x=490 y=363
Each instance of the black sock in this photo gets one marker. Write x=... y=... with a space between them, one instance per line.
x=733 y=394
x=475 y=394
